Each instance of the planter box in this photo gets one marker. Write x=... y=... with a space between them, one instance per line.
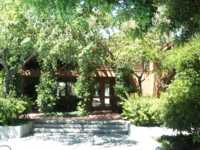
x=17 y=131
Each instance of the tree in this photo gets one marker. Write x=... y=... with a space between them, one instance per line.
x=88 y=18
x=182 y=96
x=16 y=42
x=184 y=17
x=70 y=37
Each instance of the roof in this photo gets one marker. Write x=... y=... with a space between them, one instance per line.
x=105 y=72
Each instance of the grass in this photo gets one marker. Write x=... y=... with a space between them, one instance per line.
x=179 y=142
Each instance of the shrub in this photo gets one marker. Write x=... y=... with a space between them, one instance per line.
x=46 y=90
x=182 y=98
x=182 y=102
x=142 y=110
x=11 y=108
x=179 y=142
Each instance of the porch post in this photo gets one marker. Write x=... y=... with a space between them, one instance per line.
x=112 y=95
x=102 y=91
x=22 y=84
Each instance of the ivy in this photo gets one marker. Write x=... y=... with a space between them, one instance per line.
x=46 y=90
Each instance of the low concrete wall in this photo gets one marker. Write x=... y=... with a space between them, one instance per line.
x=18 y=131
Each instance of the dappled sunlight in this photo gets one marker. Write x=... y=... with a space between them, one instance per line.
x=108 y=140
x=140 y=138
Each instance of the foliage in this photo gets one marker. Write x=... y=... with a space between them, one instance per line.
x=182 y=97
x=58 y=47
x=184 y=56
x=91 y=57
x=183 y=16
x=73 y=39
x=70 y=32
x=11 y=108
x=123 y=83
x=179 y=142
x=17 y=38
x=129 y=52
x=47 y=88
x=87 y=34
x=182 y=102
x=142 y=110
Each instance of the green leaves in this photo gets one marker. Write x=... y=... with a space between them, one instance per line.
x=46 y=90
x=184 y=14
x=142 y=110
x=182 y=97
x=184 y=56
x=11 y=108
x=182 y=102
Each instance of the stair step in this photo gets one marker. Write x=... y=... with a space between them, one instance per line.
x=66 y=130
x=104 y=122
x=83 y=137
x=81 y=126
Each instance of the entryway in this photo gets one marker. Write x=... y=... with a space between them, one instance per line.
x=104 y=94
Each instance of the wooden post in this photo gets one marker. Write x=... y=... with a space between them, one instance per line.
x=102 y=91
x=112 y=95
x=22 y=85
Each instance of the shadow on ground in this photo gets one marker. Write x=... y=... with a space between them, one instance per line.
x=93 y=139
x=179 y=142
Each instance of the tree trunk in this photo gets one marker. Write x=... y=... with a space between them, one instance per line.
x=140 y=86
x=139 y=80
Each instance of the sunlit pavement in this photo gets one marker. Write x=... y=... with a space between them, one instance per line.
x=140 y=138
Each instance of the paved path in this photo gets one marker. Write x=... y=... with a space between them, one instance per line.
x=140 y=138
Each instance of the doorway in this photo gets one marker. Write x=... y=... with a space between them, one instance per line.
x=104 y=93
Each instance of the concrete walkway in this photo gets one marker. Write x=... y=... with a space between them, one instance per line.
x=140 y=138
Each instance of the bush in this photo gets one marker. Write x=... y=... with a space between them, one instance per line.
x=142 y=110
x=183 y=102
x=182 y=98
x=179 y=142
x=11 y=108
x=46 y=90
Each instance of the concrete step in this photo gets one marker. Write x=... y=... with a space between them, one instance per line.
x=58 y=121
x=66 y=130
x=81 y=126
x=69 y=138
x=63 y=136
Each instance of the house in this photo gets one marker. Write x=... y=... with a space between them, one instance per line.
x=104 y=97
x=149 y=79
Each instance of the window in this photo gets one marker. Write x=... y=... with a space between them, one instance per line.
x=107 y=89
x=71 y=88
x=61 y=91
x=96 y=87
